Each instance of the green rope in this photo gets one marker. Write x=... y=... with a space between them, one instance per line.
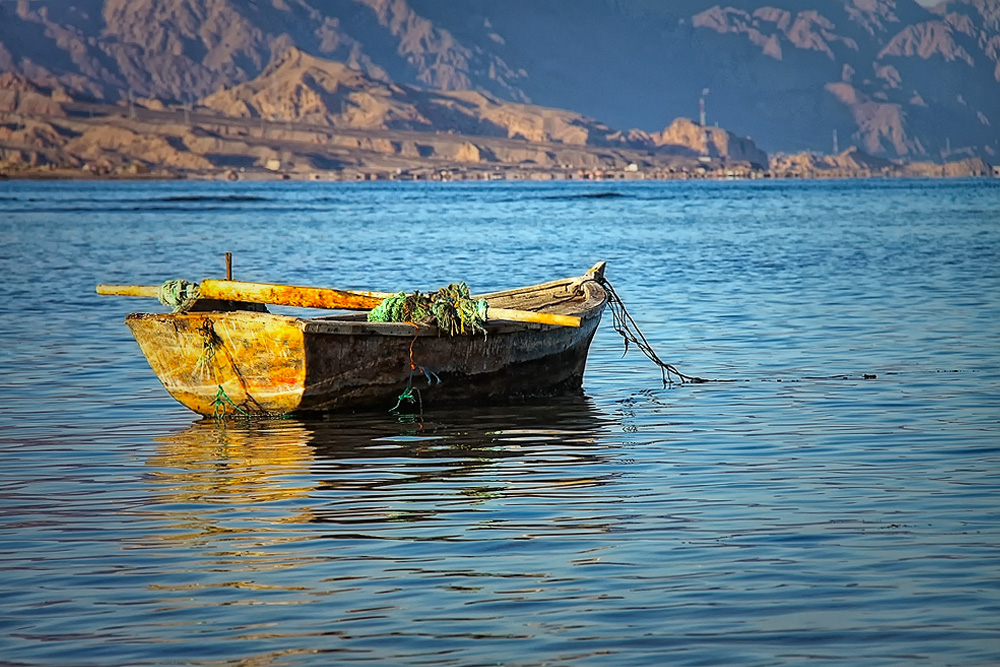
x=411 y=394
x=179 y=294
x=451 y=308
x=219 y=405
x=407 y=396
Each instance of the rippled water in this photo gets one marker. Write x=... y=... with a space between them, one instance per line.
x=797 y=512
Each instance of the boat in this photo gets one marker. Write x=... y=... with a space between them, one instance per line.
x=226 y=358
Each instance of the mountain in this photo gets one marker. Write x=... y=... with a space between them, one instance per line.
x=307 y=115
x=300 y=87
x=304 y=88
x=891 y=76
x=855 y=163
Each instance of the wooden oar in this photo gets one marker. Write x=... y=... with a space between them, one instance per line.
x=290 y=295
x=318 y=297
x=152 y=291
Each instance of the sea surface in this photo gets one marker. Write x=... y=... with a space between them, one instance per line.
x=833 y=499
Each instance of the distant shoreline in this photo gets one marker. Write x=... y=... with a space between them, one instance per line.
x=505 y=175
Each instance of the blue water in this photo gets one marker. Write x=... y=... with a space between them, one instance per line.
x=799 y=512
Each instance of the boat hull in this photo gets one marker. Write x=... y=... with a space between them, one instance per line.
x=240 y=362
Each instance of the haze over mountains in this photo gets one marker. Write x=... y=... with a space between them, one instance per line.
x=893 y=77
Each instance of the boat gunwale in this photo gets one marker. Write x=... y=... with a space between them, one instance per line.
x=355 y=323
x=585 y=307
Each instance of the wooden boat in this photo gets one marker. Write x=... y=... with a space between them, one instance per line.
x=223 y=359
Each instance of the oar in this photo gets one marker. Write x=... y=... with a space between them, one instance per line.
x=290 y=295
x=318 y=297
x=152 y=291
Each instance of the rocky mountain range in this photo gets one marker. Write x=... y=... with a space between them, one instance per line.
x=893 y=77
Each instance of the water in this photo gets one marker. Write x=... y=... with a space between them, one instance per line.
x=798 y=513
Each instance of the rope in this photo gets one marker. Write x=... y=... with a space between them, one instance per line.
x=451 y=308
x=219 y=411
x=631 y=335
x=178 y=294
x=410 y=394
x=210 y=343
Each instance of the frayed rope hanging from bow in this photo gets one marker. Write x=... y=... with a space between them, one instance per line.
x=630 y=333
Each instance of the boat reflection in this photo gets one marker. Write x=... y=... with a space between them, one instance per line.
x=227 y=498
x=369 y=467
x=334 y=512
x=215 y=462
x=472 y=453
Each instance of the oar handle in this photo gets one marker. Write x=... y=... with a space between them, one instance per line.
x=152 y=291
x=531 y=316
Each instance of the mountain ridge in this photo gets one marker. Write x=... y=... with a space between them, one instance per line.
x=891 y=76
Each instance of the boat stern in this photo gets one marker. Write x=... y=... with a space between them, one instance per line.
x=225 y=363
